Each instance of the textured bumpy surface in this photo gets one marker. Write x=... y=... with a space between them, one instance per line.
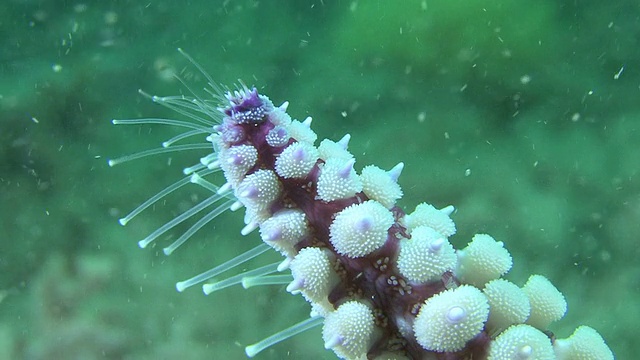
x=386 y=284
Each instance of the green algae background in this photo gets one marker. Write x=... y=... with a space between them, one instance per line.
x=522 y=114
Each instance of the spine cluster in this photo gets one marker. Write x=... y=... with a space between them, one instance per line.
x=386 y=284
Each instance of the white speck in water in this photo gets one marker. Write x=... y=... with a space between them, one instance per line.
x=575 y=117
x=617 y=75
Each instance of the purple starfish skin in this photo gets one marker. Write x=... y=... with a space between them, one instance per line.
x=374 y=277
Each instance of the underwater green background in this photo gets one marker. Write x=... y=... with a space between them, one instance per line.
x=524 y=115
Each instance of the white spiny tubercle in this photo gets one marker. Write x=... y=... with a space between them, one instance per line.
x=278 y=136
x=584 y=343
x=279 y=117
x=426 y=214
x=449 y=319
x=379 y=185
x=258 y=217
x=284 y=229
x=426 y=256
x=338 y=180
x=236 y=161
x=329 y=149
x=284 y=106
x=258 y=190
x=522 y=342
x=484 y=259
x=301 y=132
x=360 y=229
x=509 y=305
x=349 y=330
x=547 y=302
x=314 y=276
x=296 y=161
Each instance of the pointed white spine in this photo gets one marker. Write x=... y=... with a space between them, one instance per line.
x=395 y=172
